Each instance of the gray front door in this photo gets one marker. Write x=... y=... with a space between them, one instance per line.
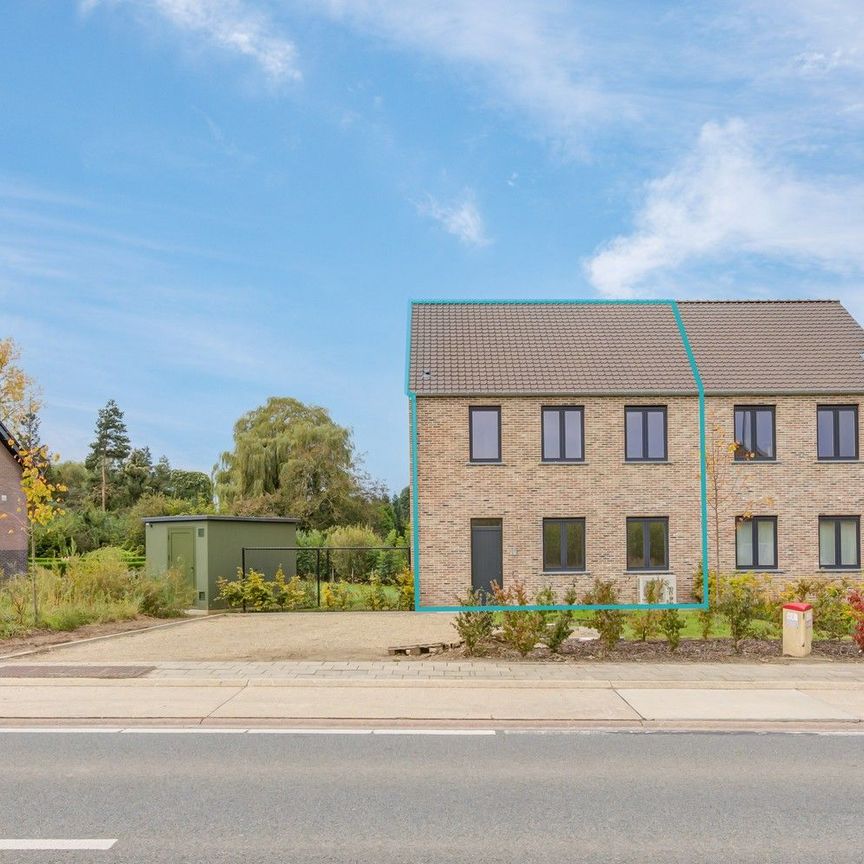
x=486 y=556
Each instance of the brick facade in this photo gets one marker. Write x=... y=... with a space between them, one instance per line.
x=13 y=526
x=605 y=490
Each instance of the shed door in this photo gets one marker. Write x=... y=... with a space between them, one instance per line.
x=486 y=556
x=181 y=552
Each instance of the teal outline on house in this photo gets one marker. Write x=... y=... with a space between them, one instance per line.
x=703 y=463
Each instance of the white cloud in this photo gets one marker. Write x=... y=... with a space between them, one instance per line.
x=529 y=53
x=461 y=218
x=228 y=25
x=726 y=200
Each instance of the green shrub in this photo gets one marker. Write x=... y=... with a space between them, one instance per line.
x=165 y=596
x=671 y=624
x=832 y=615
x=558 y=623
x=645 y=623
x=376 y=596
x=707 y=616
x=520 y=629
x=474 y=627
x=336 y=595
x=251 y=592
x=609 y=623
x=233 y=591
x=405 y=583
x=290 y=594
x=740 y=599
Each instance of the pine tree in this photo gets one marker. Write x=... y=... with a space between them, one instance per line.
x=110 y=447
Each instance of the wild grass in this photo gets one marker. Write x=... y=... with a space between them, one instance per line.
x=97 y=587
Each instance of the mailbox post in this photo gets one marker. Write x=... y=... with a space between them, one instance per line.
x=797 y=629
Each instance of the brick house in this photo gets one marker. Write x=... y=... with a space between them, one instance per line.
x=13 y=526
x=558 y=442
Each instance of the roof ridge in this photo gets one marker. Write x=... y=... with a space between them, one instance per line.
x=645 y=301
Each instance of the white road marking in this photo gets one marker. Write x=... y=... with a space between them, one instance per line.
x=180 y=730
x=91 y=845
x=66 y=730
x=302 y=731
x=433 y=731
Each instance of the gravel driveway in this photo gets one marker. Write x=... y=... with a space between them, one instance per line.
x=269 y=636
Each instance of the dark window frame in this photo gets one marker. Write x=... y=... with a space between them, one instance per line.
x=835 y=410
x=740 y=450
x=646 y=544
x=837 y=542
x=754 y=526
x=487 y=408
x=644 y=409
x=563 y=521
x=561 y=409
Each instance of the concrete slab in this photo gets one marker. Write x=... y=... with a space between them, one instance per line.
x=426 y=703
x=106 y=701
x=750 y=704
x=850 y=701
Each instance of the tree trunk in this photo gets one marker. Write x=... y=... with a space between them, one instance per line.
x=104 y=485
x=33 y=577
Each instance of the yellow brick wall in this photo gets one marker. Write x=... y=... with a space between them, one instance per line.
x=605 y=490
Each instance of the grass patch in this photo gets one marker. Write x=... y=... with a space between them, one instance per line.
x=98 y=587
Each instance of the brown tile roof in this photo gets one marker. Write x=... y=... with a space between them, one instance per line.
x=808 y=346
x=573 y=348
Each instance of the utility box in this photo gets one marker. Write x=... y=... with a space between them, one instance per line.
x=797 y=629
x=209 y=548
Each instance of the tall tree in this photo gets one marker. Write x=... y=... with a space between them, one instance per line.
x=15 y=386
x=109 y=448
x=289 y=459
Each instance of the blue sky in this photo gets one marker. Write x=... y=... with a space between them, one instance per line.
x=207 y=202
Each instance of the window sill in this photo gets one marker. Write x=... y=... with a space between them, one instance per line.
x=845 y=571
x=562 y=462
x=485 y=464
x=837 y=461
x=650 y=573
x=565 y=573
x=768 y=571
x=647 y=462
x=750 y=462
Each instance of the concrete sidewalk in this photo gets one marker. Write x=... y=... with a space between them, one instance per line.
x=328 y=692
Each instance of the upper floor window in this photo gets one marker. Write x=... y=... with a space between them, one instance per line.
x=837 y=431
x=564 y=545
x=756 y=543
x=484 y=432
x=563 y=434
x=755 y=428
x=840 y=542
x=648 y=543
x=645 y=434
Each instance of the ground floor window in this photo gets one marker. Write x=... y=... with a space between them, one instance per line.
x=648 y=543
x=839 y=541
x=756 y=543
x=564 y=545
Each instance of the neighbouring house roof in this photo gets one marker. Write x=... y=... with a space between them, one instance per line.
x=549 y=348
x=9 y=442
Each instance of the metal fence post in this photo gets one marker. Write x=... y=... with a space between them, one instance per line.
x=318 y=574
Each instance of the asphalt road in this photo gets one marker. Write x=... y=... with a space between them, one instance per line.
x=509 y=797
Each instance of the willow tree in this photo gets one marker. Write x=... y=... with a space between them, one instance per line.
x=289 y=459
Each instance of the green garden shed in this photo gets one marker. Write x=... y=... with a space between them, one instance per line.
x=209 y=548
